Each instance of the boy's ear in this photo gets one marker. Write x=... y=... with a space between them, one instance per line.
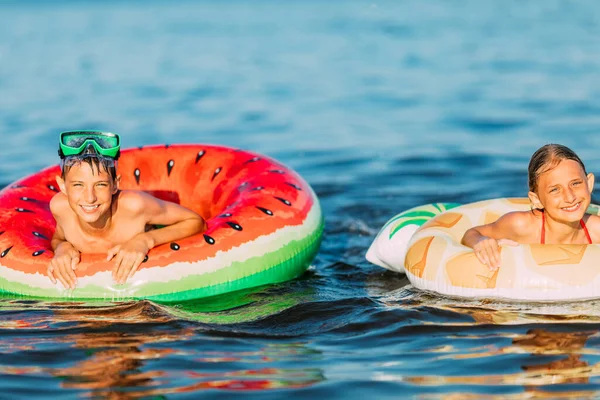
x=61 y=184
x=535 y=200
x=117 y=184
x=590 y=182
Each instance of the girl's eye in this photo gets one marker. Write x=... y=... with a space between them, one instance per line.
x=576 y=183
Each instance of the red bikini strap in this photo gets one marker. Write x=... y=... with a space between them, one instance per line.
x=587 y=234
x=543 y=229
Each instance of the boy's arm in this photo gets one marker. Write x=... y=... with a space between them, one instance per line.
x=179 y=222
x=66 y=257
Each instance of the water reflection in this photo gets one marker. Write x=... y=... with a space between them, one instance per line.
x=137 y=349
x=545 y=357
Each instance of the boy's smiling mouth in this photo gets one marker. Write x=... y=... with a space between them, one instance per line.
x=90 y=208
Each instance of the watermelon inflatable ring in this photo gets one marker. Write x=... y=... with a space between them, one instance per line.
x=264 y=226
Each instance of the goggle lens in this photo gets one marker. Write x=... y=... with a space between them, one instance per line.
x=75 y=142
x=76 y=139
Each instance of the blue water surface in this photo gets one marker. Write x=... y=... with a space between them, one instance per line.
x=380 y=106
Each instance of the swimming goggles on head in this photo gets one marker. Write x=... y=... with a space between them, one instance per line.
x=106 y=144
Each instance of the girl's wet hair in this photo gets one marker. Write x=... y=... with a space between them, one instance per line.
x=93 y=159
x=548 y=157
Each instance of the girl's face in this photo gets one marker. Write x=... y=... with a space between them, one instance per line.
x=564 y=192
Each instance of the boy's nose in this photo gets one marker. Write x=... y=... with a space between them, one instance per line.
x=90 y=195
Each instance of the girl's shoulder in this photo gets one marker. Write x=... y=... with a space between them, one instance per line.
x=593 y=221
x=592 y=224
x=521 y=219
x=520 y=225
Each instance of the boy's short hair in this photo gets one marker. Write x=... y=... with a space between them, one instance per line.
x=96 y=162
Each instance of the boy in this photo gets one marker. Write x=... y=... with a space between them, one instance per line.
x=93 y=216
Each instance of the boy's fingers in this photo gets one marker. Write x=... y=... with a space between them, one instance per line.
x=136 y=265
x=118 y=262
x=126 y=266
x=112 y=252
x=72 y=277
x=74 y=262
x=62 y=281
x=50 y=274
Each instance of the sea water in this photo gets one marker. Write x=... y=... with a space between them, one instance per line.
x=380 y=106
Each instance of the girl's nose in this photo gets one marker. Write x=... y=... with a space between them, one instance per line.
x=569 y=195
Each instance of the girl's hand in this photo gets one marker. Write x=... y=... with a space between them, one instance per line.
x=487 y=251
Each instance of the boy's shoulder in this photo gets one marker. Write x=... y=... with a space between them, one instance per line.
x=134 y=200
x=58 y=203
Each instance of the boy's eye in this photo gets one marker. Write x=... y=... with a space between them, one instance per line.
x=554 y=190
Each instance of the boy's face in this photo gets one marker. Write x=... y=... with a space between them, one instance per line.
x=89 y=191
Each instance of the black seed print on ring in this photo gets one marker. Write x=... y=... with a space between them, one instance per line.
x=37 y=234
x=265 y=210
x=216 y=173
x=209 y=240
x=170 y=165
x=52 y=187
x=293 y=185
x=226 y=215
x=253 y=159
x=235 y=226
x=174 y=246
x=24 y=198
x=38 y=252
x=136 y=174
x=145 y=258
x=23 y=210
x=5 y=252
x=167 y=146
x=277 y=171
x=17 y=186
x=199 y=155
x=258 y=188
x=2 y=232
x=284 y=201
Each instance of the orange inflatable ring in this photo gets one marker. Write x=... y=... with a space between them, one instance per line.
x=264 y=226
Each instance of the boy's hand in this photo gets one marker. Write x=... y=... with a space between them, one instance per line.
x=128 y=257
x=63 y=264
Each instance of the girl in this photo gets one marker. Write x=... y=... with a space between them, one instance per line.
x=560 y=192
